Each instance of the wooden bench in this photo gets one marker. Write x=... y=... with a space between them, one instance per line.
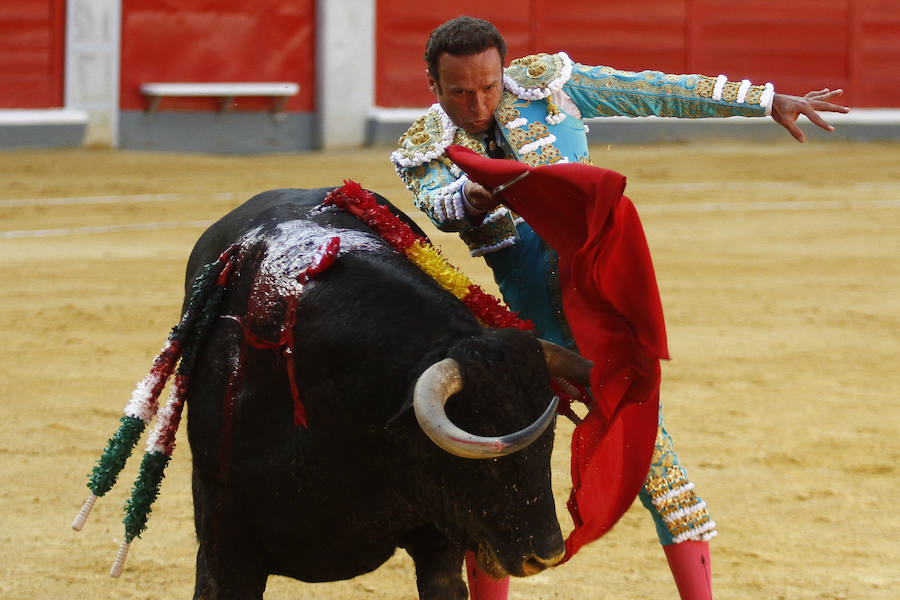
x=278 y=91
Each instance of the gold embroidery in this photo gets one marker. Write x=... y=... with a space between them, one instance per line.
x=463 y=138
x=518 y=137
x=754 y=94
x=422 y=137
x=673 y=496
x=688 y=96
x=730 y=93
x=538 y=130
x=536 y=70
x=508 y=111
x=505 y=114
x=532 y=159
x=550 y=155
x=491 y=233
x=705 y=86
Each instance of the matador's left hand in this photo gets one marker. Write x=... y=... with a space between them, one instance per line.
x=786 y=109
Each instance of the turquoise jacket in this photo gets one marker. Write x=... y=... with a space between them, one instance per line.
x=539 y=124
x=540 y=121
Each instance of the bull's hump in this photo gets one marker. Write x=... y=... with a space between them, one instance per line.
x=292 y=252
x=291 y=247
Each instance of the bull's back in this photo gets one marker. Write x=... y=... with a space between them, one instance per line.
x=273 y=206
x=263 y=207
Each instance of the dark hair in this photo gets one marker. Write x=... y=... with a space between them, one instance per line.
x=462 y=36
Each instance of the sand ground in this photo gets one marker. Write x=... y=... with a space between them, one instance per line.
x=779 y=274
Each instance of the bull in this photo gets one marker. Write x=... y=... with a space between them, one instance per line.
x=421 y=428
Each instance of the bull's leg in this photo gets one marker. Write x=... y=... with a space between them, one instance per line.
x=222 y=580
x=228 y=566
x=438 y=565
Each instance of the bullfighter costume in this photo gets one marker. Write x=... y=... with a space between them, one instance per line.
x=539 y=121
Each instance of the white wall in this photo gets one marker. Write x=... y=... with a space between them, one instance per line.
x=93 y=56
x=345 y=70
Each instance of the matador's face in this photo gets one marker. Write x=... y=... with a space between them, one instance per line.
x=468 y=88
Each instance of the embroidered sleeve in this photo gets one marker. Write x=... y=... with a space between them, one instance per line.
x=436 y=189
x=604 y=91
x=434 y=181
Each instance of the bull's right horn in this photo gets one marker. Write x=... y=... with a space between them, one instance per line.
x=564 y=363
x=440 y=381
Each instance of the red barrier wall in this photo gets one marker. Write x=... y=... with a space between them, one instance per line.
x=217 y=41
x=799 y=45
x=403 y=28
x=32 y=39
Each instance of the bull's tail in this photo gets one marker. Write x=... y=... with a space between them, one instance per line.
x=181 y=347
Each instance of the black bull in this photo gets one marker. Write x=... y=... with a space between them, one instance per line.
x=335 y=498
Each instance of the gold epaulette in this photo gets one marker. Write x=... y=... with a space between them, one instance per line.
x=425 y=140
x=537 y=76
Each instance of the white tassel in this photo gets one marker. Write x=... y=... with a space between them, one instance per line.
x=767 y=96
x=82 y=515
x=119 y=563
x=742 y=91
x=719 y=88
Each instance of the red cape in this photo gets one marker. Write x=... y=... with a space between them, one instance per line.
x=611 y=301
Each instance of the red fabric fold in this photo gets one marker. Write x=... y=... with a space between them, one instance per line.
x=611 y=301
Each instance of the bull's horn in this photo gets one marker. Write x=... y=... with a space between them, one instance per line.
x=567 y=364
x=440 y=381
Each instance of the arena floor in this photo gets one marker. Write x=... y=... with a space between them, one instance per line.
x=779 y=273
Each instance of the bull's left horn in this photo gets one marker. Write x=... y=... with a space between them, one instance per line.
x=440 y=381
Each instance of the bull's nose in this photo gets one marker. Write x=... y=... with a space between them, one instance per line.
x=535 y=564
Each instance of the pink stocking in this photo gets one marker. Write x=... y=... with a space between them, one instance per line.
x=689 y=562
x=481 y=585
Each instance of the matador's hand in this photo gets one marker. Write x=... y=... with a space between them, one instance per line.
x=786 y=109
x=478 y=200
